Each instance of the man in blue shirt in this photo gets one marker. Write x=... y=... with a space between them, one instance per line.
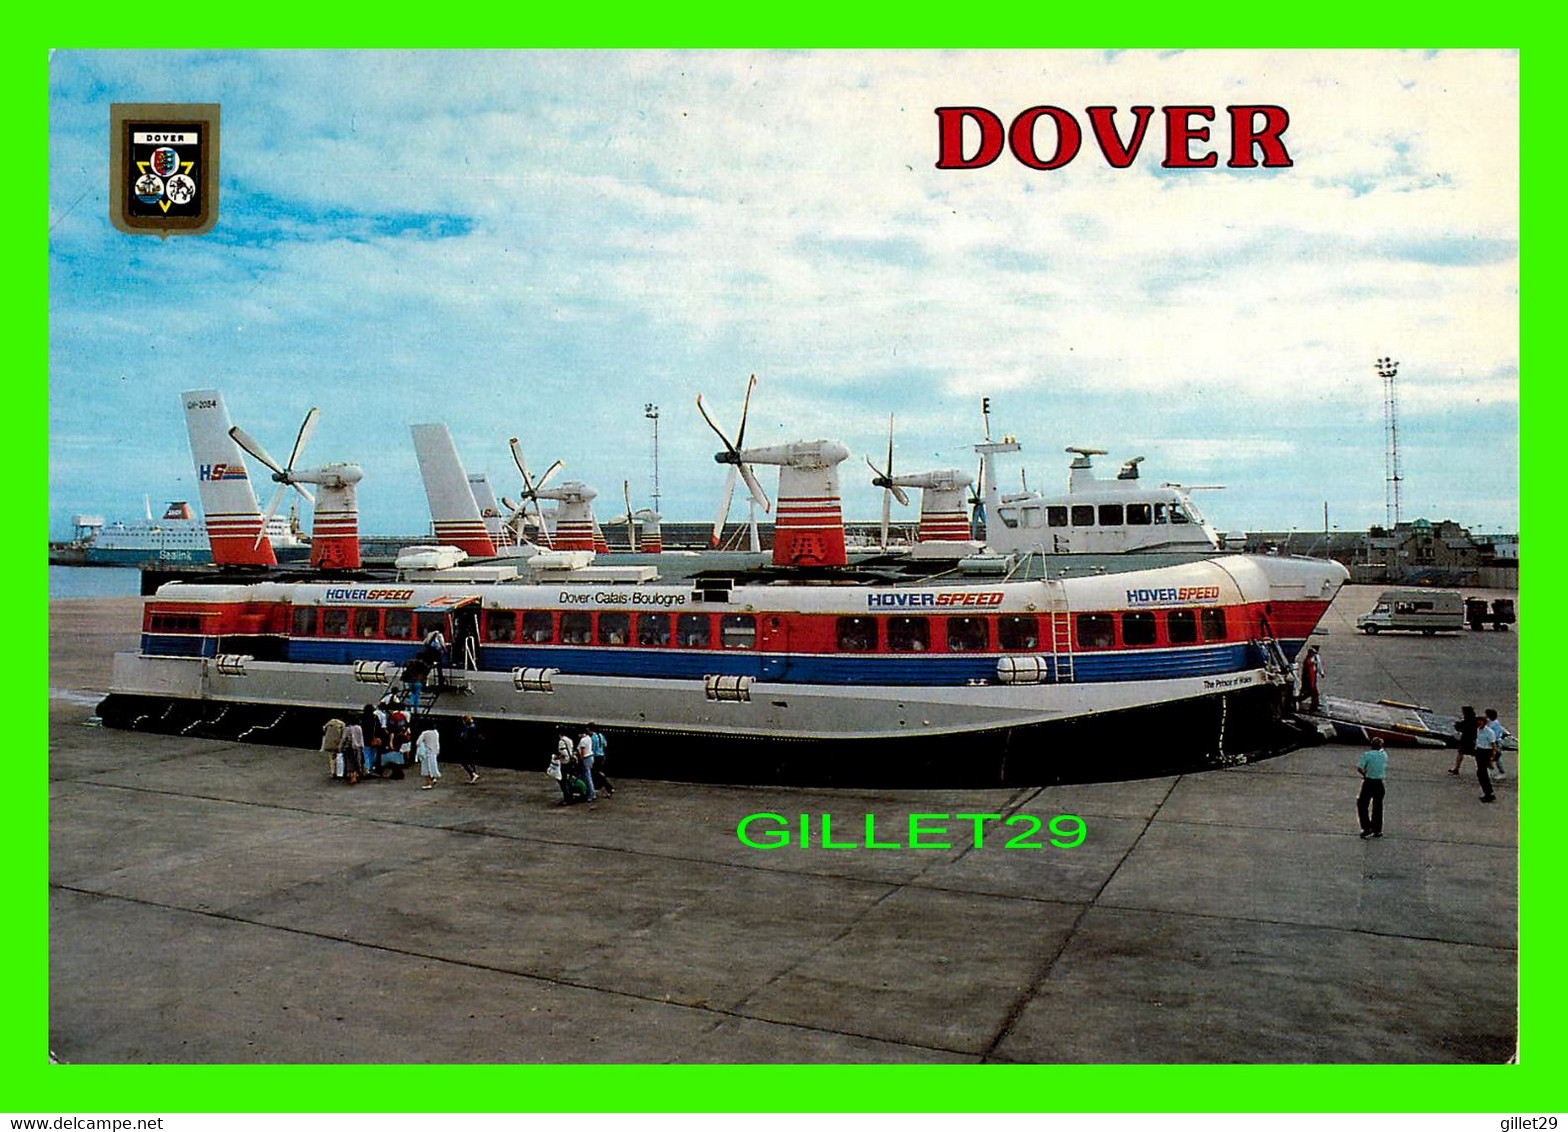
x=1369 y=804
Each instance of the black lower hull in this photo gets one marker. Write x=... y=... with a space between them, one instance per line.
x=1188 y=735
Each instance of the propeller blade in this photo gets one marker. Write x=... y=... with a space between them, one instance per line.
x=887 y=506
x=717 y=431
x=875 y=471
x=549 y=474
x=508 y=504
x=272 y=509
x=517 y=456
x=745 y=408
x=724 y=508
x=247 y=442
x=306 y=428
x=631 y=526
x=900 y=495
x=758 y=496
x=544 y=529
x=309 y=498
x=890 y=446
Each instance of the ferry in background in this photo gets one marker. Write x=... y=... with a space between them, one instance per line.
x=178 y=538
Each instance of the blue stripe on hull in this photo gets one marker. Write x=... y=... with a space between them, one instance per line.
x=862 y=669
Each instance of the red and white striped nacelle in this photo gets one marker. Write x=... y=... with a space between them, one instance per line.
x=575 y=525
x=944 y=496
x=650 y=537
x=809 y=519
x=334 y=531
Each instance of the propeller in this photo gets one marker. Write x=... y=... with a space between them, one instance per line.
x=883 y=478
x=531 y=490
x=977 y=501
x=284 y=475
x=631 y=525
x=732 y=456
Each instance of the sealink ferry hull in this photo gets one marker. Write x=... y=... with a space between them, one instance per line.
x=828 y=679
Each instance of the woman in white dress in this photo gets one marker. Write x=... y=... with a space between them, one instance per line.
x=427 y=749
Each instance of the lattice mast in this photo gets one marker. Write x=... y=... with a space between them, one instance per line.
x=1388 y=370
x=651 y=411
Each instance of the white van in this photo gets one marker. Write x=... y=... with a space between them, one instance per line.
x=1424 y=611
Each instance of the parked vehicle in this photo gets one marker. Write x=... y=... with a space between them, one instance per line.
x=1423 y=611
x=1501 y=614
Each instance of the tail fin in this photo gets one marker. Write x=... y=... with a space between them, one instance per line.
x=489 y=509
x=452 y=507
x=227 y=498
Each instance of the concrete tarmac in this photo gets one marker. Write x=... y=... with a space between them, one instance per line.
x=228 y=903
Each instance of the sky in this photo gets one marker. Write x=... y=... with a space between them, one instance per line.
x=538 y=244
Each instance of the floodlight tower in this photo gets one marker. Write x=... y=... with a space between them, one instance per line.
x=651 y=411
x=1388 y=370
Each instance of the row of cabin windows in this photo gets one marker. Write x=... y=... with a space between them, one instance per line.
x=174 y=623
x=972 y=634
x=739 y=630
x=1107 y=514
x=652 y=630
x=389 y=624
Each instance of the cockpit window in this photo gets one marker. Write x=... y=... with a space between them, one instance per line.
x=1139 y=514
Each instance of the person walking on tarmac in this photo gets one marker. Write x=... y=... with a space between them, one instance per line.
x=1369 y=803
x=602 y=780
x=1468 y=726
x=468 y=738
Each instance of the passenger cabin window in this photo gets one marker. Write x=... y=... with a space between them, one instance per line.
x=1033 y=517
x=500 y=626
x=538 y=628
x=334 y=622
x=304 y=620
x=1096 y=630
x=1110 y=514
x=615 y=628
x=738 y=631
x=427 y=623
x=576 y=628
x=1083 y=515
x=1413 y=607
x=399 y=624
x=366 y=623
x=1181 y=626
x=174 y=623
x=909 y=634
x=1139 y=514
x=857 y=634
x=1056 y=516
x=967 y=634
x=1213 y=622
x=1161 y=514
x=653 y=630
x=1138 y=628
x=694 y=631
x=1018 y=633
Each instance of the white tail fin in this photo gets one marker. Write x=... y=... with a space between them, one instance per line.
x=489 y=509
x=227 y=497
x=452 y=507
